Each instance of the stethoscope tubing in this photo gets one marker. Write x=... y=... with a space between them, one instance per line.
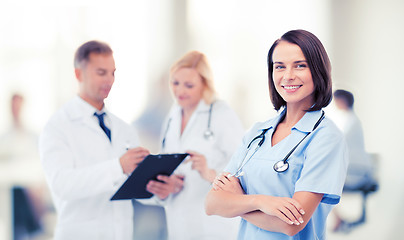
x=208 y=134
x=279 y=166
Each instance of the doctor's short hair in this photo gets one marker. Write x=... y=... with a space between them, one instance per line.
x=82 y=55
x=198 y=61
x=319 y=65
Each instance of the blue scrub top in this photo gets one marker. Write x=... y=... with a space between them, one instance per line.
x=317 y=165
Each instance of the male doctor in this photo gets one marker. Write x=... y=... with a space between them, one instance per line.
x=83 y=149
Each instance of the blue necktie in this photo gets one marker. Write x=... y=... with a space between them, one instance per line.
x=102 y=124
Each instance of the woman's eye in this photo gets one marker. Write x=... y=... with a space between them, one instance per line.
x=279 y=67
x=301 y=65
x=175 y=83
x=189 y=85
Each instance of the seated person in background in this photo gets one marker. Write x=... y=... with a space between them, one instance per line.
x=360 y=167
x=359 y=175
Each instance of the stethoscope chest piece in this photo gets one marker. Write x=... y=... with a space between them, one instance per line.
x=208 y=135
x=281 y=166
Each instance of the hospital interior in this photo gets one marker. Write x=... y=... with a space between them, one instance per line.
x=364 y=40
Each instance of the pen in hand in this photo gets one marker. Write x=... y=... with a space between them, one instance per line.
x=132 y=157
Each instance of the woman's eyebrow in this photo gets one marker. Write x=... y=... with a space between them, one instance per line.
x=298 y=61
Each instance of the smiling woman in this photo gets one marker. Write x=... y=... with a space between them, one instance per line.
x=277 y=202
x=307 y=60
x=292 y=76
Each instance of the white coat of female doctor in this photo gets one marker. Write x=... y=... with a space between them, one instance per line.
x=194 y=116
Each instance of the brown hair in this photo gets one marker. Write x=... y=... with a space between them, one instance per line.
x=198 y=61
x=345 y=96
x=82 y=54
x=319 y=65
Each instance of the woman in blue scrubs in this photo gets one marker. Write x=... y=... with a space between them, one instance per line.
x=290 y=170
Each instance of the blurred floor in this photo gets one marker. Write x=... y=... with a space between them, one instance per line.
x=149 y=222
x=383 y=220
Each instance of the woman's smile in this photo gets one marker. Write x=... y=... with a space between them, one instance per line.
x=291 y=88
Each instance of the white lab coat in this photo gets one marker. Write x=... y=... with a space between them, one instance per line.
x=83 y=171
x=185 y=211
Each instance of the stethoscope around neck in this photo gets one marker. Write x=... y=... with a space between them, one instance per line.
x=207 y=134
x=281 y=165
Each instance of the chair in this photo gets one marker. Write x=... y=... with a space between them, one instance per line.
x=369 y=187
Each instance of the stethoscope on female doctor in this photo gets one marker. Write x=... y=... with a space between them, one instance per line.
x=208 y=134
x=281 y=165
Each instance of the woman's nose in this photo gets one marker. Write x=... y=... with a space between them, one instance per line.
x=180 y=89
x=289 y=74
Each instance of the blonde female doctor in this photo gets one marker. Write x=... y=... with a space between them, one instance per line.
x=209 y=131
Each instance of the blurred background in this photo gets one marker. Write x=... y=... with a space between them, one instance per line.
x=364 y=40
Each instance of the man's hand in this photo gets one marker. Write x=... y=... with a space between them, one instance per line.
x=132 y=158
x=166 y=185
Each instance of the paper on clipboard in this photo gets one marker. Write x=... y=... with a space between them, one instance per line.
x=148 y=169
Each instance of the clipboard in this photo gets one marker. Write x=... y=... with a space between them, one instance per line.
x=148 y=169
